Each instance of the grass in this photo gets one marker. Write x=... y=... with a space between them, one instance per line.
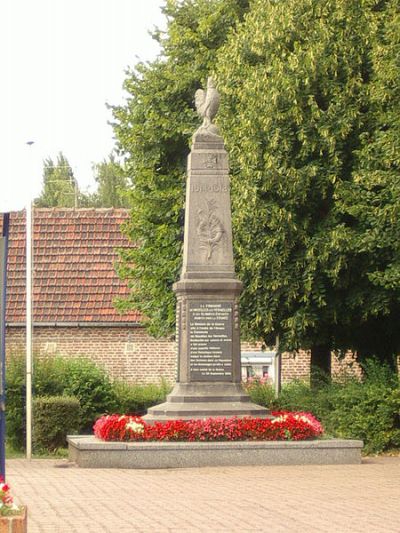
x=12 y=453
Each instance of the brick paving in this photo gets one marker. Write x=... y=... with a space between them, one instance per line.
x=348 y=498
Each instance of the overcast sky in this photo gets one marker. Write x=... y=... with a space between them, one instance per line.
x=61 y=61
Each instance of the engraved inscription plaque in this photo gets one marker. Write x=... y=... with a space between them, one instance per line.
x=210 y=341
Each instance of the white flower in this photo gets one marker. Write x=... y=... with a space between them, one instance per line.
x=281 y=418
x=303 y=418
x=136 y=427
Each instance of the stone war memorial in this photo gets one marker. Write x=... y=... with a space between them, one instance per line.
x=208 y=383
x=208 y=322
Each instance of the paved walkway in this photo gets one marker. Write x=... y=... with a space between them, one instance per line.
x=62 y=498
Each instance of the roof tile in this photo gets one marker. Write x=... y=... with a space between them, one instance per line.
x=74 y=276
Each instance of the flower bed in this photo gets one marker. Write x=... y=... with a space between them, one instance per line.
x=285 y=426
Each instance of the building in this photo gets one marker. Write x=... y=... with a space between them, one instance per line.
x=75 y=285
x=74 y=288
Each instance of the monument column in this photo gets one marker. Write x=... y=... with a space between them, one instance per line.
x=208 y=323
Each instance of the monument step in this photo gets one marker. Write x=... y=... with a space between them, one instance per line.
x=244 y=398
x=186 y=411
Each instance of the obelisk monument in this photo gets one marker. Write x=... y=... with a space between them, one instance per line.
x=208 y=324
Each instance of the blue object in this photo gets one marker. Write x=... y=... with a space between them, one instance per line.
x=3 y=281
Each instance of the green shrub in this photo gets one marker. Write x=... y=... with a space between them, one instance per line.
x=56 y=376
x=367 y=409
x=296 y=396
x=48 y=376
x=260 y=392
x=48 y=381
x=136 y=399
x=15 y=402
x=93 y=388
x=55 y=417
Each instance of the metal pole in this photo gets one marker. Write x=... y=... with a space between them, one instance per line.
x=29 y=330
x=3 y=281
x=278 y=368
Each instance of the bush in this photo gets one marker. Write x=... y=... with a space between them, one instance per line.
x=136 y=399
x=55 y=417
x=297 y=393
x=56 y=376
x=48 y=381
x=261 y=391
x=15 y=402
x=93 y=388
x=367 y=409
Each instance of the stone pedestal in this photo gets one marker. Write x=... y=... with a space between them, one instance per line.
x=208 y=324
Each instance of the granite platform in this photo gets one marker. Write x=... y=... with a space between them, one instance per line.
x=90 y=452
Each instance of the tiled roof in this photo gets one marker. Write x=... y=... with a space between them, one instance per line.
x=74 y=276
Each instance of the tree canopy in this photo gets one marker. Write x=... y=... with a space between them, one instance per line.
x=60 y=188
x=310 y=101
x=153 y=132
x=112 y=184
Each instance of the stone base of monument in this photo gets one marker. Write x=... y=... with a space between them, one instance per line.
x=90 y=452
x=204 y=400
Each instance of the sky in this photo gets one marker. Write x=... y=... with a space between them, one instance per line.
x=61 y=61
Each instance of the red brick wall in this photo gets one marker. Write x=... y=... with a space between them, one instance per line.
x=127 y=353
x=131 y=354
x=296 y=365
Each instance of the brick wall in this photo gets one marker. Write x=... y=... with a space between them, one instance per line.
x=130 y=353
x=127 y=353
x=296 y=365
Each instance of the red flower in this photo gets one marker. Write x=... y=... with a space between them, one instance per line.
x=285 y=426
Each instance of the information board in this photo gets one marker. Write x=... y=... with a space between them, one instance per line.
x=210 y=341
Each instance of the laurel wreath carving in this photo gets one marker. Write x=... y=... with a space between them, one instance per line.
x=209 y=227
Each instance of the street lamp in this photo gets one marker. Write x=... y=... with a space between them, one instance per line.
x=29 y=364
x=8 y=204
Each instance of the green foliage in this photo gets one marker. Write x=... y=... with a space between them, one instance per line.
x=60 y=188
x=298 y=396
x=294 y=82
x=48 y=381
x=91 y=386
x=55 y=417
x=49 y=375
x=368 y=409
x=112 y=184
x=310 y=99
x=153 y=131
x=371 y=201
x=260 y=392
x=136 y=399
x=56 y=376
x=15 y=402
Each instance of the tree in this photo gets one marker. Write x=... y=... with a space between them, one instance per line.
x=112 y=184
x=371 y=201
x=309 y=119
x=299 y=109
x=60 y=188
x=153 y=132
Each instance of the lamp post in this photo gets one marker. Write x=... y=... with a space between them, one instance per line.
x=278 y=368
x=29 y=365
x=9 y=203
